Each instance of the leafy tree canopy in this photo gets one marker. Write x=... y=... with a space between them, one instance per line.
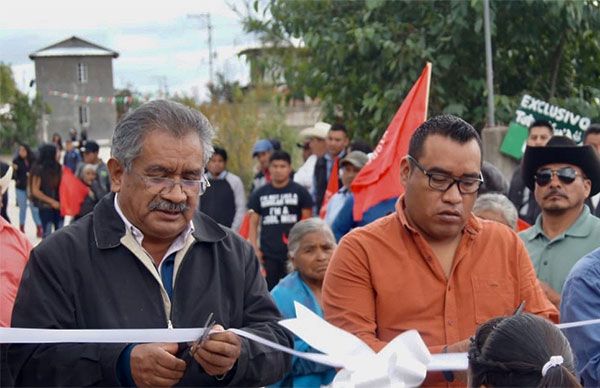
x=361 y=57
x=19 y=116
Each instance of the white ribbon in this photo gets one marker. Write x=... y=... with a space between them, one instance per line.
x=402 y=362
x=569 y=325
x=47 y=336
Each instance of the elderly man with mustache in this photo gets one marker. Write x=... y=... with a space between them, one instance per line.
x=562 y=175
x=147 y=258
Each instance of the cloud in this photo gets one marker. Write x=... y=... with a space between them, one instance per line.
x=158 y=44
x=81 y=15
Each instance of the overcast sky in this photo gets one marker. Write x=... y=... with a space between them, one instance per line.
x=160 y=46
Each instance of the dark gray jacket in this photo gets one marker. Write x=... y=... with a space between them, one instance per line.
x=93 y=275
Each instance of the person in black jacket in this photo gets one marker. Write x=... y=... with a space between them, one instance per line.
x=592 y=137
x=22 y=163
x=146 y=258
x=337 y=142
x=539 y=133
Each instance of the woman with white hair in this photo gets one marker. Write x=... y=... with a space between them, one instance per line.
x=310 y=246
x=87 y=175
x=496 y=207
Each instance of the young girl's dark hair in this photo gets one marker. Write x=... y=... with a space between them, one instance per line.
x=512 y=351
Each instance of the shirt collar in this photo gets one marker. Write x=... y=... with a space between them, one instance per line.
x=4 y=224
x=582 y=226
x=220 y=176
x=175 y=246
x=340 y=156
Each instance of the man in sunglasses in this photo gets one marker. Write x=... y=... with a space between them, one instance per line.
x=561 y=175
x=432 y=265
x=147 y=258
x=591 y=136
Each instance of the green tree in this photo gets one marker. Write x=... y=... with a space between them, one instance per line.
x=20 y=116
x=122 y=103
x=361 y=57
x=258 y=113
x=224 y=90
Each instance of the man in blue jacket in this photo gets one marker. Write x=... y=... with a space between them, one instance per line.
x=146 y=258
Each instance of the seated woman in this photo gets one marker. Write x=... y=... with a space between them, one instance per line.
x=310 y=246
x=522 y=350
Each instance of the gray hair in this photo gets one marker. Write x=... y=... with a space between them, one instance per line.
x=86 y=167
x=305 y=227
x=176 y=119
x=497 y=203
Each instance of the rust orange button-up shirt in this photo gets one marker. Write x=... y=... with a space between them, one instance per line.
x=384 y=279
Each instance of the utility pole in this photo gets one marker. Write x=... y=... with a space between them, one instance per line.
x=204 y=18
x=488 y=64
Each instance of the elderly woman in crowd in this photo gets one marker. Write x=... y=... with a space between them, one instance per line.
x=310 y=246
x=88 y=176
x=496 y=207
x=522 y=350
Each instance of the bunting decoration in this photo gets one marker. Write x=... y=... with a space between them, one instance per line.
x=98 y=99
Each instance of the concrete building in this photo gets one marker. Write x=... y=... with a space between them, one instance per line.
x=75 y=79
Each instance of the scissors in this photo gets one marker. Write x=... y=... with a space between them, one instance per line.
x=208 y=326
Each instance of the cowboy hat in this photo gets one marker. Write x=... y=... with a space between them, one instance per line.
x=561 y=149
x=319 y=131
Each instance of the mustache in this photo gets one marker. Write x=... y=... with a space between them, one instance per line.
x=557 y=192
x=168 y=206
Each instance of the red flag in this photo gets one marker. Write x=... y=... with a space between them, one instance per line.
x=332 y=187
x=245 y=226
x=72 y=193
x=379 y=180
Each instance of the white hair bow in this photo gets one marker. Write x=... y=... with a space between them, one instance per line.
x=554 y=361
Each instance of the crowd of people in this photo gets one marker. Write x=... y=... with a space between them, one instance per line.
x=165 y=235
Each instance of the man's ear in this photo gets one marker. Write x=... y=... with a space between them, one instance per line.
x=404 y=170
x=587 y=184
x=116 y=171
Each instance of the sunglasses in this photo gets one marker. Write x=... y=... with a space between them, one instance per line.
x=566 y=175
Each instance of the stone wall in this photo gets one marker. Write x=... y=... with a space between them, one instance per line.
x=492 y=139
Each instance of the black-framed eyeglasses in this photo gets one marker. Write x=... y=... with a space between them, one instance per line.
x=566 y=175
x=443 y=182
x=162 y=185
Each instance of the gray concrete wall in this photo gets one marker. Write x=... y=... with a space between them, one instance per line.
x=492 y=139
x=302 y=116
x=60 y=74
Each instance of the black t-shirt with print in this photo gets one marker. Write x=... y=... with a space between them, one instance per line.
x=279 y=210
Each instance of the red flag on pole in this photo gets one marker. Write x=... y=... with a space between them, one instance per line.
x=379 y=180
x=332 y=187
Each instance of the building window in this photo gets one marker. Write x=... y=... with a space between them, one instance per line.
x=82 y=73
x=84 y=115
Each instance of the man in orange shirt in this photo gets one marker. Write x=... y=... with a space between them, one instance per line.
x=432 y=265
